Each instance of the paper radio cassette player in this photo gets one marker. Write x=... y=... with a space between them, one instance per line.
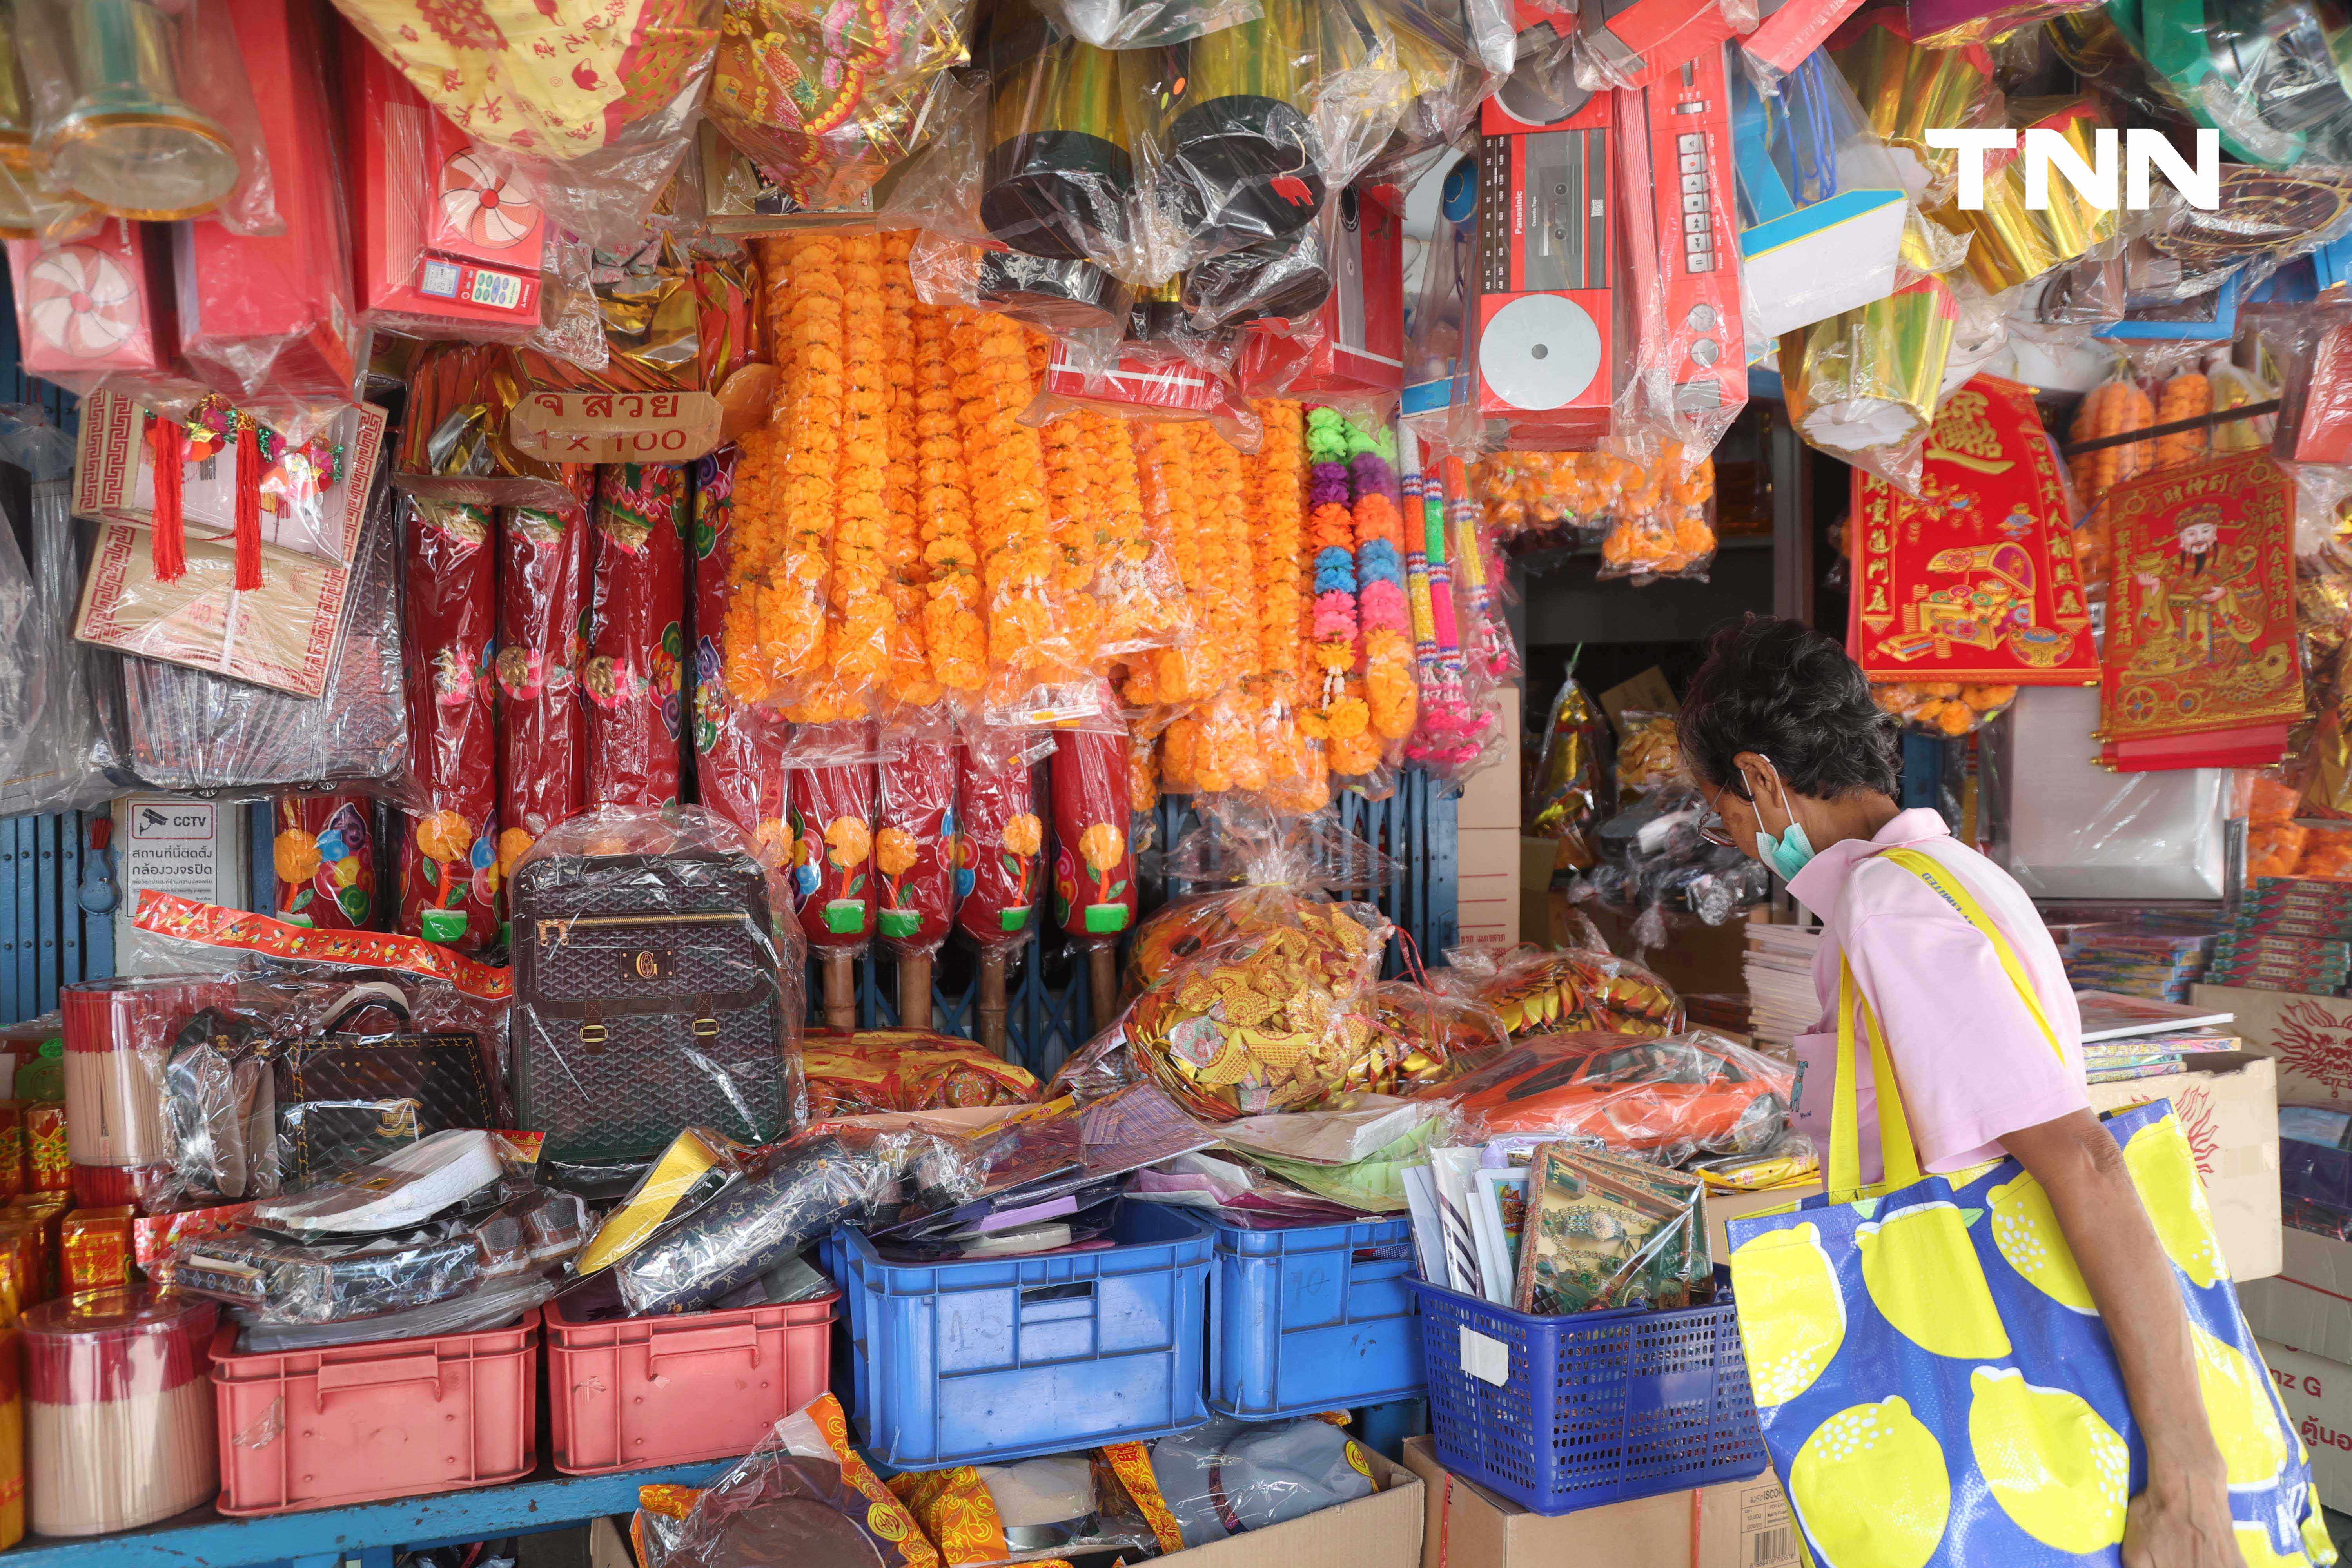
x=1546 y=338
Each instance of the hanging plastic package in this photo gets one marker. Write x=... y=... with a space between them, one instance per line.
x=634 y=680
x=2012 y=239
x=1862 y=385
x=1059 y=172
x=448 y=860
x=597 y=114
x=914 y=845
x=1906 y=89
x=738 y=748
x=832 y=809
x=56 y=680
x=324 y=854
x=543 y=644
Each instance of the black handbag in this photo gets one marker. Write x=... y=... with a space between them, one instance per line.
x=648 y=998
x=347 y=1097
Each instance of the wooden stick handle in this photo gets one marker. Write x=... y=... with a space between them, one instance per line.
x=840 y=989
x=1102 y=963
x=992 y=1002
x=914 y=990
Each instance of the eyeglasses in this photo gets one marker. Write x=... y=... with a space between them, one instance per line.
x=1713 y=828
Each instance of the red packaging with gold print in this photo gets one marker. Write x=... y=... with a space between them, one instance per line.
x=48 y=1163
x=543 y=587
x=95 y=1249
x=637 y=648
x=449 y=869
x=12 y=1173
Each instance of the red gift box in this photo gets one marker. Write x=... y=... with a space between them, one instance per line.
x=272 y=316
x=442 y=241
x=92 y=307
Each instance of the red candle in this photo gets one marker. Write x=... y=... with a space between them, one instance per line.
x=832 y=812
x=325 y=855
x=1093 y=867
x=542 y=642
x=449 y=876
x=996 y=859
x=738 y=749
x=638 y=650
x=914 y=851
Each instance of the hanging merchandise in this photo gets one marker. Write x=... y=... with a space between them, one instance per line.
x=1094 y=863
x=1058 y=175
x=996 y=871
x=2315 y=352
x=449 y=852
x=596 y=105
x=1862 y=386
x=914 y=845
x=544 y=624
x=633 y=680
x=2258 y=76
x=738 y=749
x=2013 y=239
x=2203 y=667
x=324 y=854
x=144 y=111
x=831 y=808
x=97 y=309
x=1351 y=344
x=1973 y=585
x=1569 y=791
x=1907 y=89
x=52 y=690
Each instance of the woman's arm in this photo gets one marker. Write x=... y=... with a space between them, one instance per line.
x=2182 y=1520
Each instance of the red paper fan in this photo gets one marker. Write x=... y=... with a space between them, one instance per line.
x=484 y=208
x=81 y=302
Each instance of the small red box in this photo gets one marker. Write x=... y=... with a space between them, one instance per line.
x=270 y=317
x=91 y=308
x=441 y=239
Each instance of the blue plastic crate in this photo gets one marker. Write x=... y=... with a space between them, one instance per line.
x=1010 y=1358
x=1595 y=1407
x=1313 y=1318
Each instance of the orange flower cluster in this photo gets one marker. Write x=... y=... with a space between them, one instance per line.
x=1278 y=478
x=1388 y=687
x=1662 y=529
x=1134 y=581
x=913 y=682
x=1228 y=616
x=1163 y=460
x=810 y=405
x=1074 y=483
x=1006 y=466
x=953 y=639
x=1142 y=773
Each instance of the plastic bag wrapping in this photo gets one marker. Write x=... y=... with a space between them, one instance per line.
x=453 y=439
x=1665 y=522
x=816 y=1182
x=1052 y=1508
x=1145 y=23
x=1456 y=731
x=1283 y=280
x=698 y=1165
x=1534 y=492
x=1001 y=836
x=1906 y=89
x=1667 y=1099
x=824 y=106
x=1948 y=23
x=1654 y=858
x=876 y=1070
x=1945 y=709
x=1862 y=386
x=192 y=728
x=832 y=809
x=1568 y=788
x=33 y=671
x=2012 y=242
x=543 y=625
x=448 y=855
x=1802 y=140
x=59 y=767
x=1233 y=1476
x=324 y=852
x=598 y=118
x=634 y=679
x=915 y=848
x=1604 y=1232
x=1444 y=1035
x=1537 y=992
x=178 y=136
x=2313 y=348
x=492 y=1305
x=738 y=748
x=1439 y=405
x=120 y=1037
x=803 y=1495
x=1058 y=172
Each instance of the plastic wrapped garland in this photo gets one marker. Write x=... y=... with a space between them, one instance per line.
x=1668 y=1099
x=1536 y=992
x=1665 y=525
x=1946 y=709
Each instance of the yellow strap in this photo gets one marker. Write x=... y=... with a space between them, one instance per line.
x=1898 y=1152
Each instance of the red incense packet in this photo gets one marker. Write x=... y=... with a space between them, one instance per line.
x=1094 y=865
x=636 y=698
x=832 y=814
x=996 y=859
x=325 y=856
x=914 y=849
x=738 y=749
x=448 y=872
x=542 y=641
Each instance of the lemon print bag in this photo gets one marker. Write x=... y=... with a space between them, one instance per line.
x=1933 y=1382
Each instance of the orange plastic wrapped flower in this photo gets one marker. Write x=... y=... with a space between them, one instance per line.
x=848 y=842
x=1025 y=834
x=954 y=640
x=296 y=855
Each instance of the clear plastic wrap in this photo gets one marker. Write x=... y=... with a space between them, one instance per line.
x=1147 y=24
x=283 y=1282
x=220 y=1109
x=453 y=437
x=1002 y=838
x=598 y=117
x=97 y=312
x=1862 y=386
x=119 y=1036
x=1602 y=1231
x=1058 y=173
x=658 y=978
x=803 y=1495
x=144 y=111
x=814 y=1182
x=697 y=1166
x=1444 y=1035
x=488 y=1306
x=914 y=846
x=1570 y=787
x=2012 y=241
x=448 y=855
x=633 y=678
x=1536 y=992
x=118 y=1423
x=1654 y=858
x=2314 y=351
x=1664 y=524
x=1665 y=1100
x=1027 y=1510
x=1260 y=998
x=209 y=727
x=1094 y=864
x=56 y=711
x=876 y=1070
x=418 y=1180
x=1906 y=89
x=543 y=618
x=1232 y=1476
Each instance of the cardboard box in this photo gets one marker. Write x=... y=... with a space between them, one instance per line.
x=1491 y=797
x=1738 y=1524
x=2228 y=1104
x=1487 y=882
x=1722 y=1206
x=2317 y=1393
x=2309 y=1306
x=1382 y=1530
x=2309 y=1036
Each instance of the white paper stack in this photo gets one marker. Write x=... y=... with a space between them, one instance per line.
x=1780 y=1000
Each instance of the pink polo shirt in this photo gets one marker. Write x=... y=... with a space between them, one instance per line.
x=1972 y=1063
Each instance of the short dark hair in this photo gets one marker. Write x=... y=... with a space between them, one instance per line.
x=1782 y=690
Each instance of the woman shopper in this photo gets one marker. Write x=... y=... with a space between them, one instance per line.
x=1780 y=735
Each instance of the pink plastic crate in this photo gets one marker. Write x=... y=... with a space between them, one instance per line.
x=360 y=1423
x=632 y=1392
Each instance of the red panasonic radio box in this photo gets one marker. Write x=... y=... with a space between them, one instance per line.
x=1355 y=343
x=1682 y=244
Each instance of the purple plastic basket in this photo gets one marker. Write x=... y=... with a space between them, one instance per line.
x=1597 y=1407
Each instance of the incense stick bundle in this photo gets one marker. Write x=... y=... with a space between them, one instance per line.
x=118 y=1410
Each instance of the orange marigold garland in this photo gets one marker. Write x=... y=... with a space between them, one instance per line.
x=1006 y=468
x=1163 y=455
x=953 y=638
x=913 y=682
x=1279 y=475
x=812 y=412
x=1135 y=582
x=755 y=532
x=1073 y=504
x=1232 y=753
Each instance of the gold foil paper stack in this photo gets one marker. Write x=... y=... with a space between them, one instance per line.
x=1869 y=378
x=2012 y=243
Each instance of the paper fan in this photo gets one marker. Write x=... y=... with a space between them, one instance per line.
x=484 y=208
x=81 y=302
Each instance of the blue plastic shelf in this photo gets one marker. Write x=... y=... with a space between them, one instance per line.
x=546 y=1502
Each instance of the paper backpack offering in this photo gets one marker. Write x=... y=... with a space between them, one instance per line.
x=1932 y=1379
